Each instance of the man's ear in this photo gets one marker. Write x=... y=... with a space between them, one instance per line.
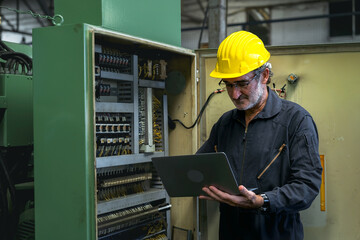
x=265 y=76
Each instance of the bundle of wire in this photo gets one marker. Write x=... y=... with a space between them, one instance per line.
x=14 y=62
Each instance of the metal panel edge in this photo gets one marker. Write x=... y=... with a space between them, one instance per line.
x=140 y=40
x=64 y=177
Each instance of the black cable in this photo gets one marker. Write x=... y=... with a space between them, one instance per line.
x=14 y=59
x=23 y=67
x=17 y=67
x=201 y=111
x=24 y=57
x=8 y=65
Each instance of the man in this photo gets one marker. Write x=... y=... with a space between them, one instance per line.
x=271 y=143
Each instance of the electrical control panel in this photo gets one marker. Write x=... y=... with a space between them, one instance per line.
x=97 y=128
x=129 y=103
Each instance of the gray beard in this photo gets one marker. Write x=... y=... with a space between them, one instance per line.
x=259 y=91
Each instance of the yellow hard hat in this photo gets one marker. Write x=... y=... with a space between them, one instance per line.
x=239 y=53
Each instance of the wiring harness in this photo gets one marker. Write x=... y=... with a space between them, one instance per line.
x=12 y=62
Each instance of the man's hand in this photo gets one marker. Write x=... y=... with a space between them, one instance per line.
x=246 y=199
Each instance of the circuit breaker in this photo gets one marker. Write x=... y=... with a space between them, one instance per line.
x=100 y=115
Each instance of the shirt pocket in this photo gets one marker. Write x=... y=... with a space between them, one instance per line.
x=272 y=174
x=305 y=154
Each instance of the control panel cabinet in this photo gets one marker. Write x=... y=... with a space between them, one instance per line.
x=100 y=115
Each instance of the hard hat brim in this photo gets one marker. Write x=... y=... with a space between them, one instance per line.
x=215 y=74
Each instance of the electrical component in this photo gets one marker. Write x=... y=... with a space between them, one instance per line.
x=152 y=69
x=157 y=124
x=102 y=89
x=115 y=182
x=146 y=120
x=110 y=193
x=113 y=134
x=115 y=221
x=125 y=180
x=162 y=74
x=142 y=116
x=107 y=90
x=292 y=78
x=143 y=222
x=150 y=124
x=112 y=60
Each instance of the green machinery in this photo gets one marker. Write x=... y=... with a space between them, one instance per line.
x=157 y=20
x=100 y=114
x=16 y=143
x=16 y=105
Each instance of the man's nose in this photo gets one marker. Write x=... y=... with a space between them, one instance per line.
x=234 y=92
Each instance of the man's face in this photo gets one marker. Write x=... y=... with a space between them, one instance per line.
x=246 y=91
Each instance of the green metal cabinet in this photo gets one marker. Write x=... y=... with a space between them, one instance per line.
x=65 y=126
x=158 y=20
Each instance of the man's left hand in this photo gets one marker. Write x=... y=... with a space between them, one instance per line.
x=246 y=199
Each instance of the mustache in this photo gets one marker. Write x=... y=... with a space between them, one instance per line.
x=242 y=97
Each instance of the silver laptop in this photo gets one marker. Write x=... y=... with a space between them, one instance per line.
x=186 y=175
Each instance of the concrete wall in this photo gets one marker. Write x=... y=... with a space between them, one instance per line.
x=327 y=88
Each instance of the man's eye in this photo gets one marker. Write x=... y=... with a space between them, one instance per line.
x=237 y=84
x=241 y=84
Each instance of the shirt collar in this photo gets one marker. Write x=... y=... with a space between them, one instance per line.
x=272 y=107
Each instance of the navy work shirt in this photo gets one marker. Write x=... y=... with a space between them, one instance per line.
x=278 y=154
